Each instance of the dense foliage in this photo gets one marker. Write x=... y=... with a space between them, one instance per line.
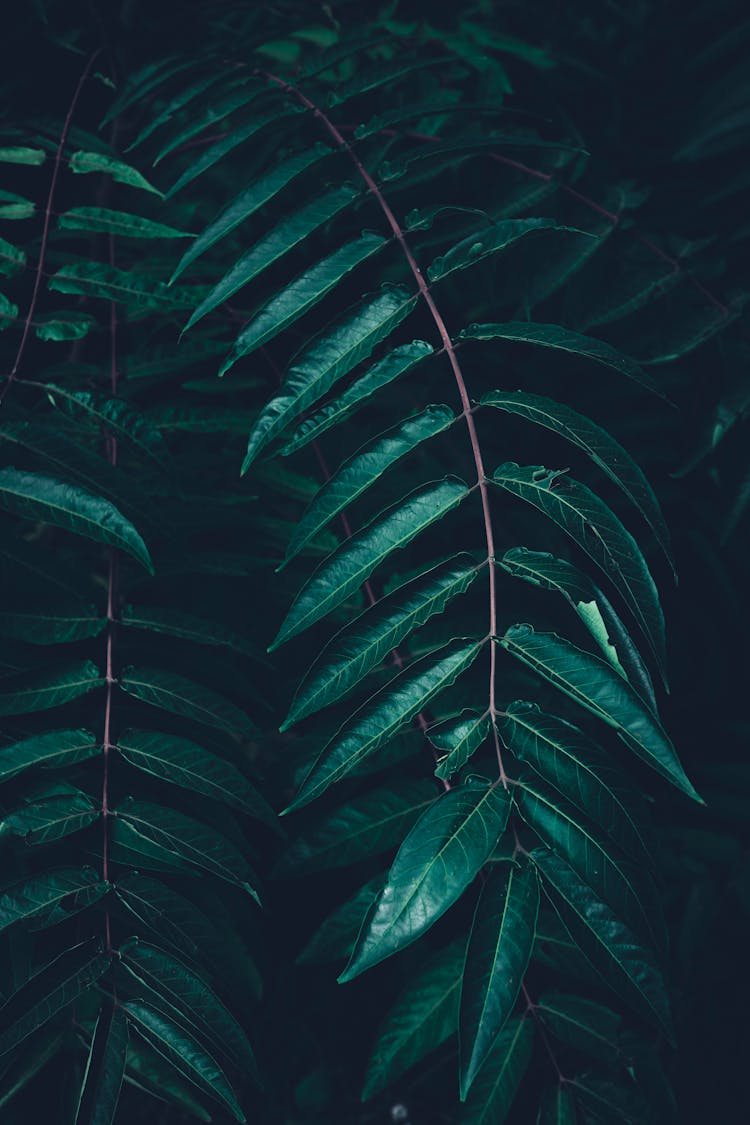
x=373 y=440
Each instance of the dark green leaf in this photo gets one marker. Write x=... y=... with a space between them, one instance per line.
x=51 y=687
x=582 y=1023
x=50 y=627
x=138 y=291
x=81 y=162
x=174 y=623
x=105 y=1068
x=54 y=748
x=180 y=696
x=32 y=897
x=497 y=1082
x=335 y=938
x=21 y=154
x=12 y=258
x=101 y=220
x=50 y=815
x=484 y=243
x=457 y=739
x=557 y=1107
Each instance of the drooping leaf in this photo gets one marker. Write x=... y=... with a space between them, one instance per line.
x=582 y=1023
x=375 y=724
x=49 y=687
x=52 y=749
x=101 y=220
x=137 y=291
x=50 y=814
x=484 y=243
x=610 y=946
x=497 y=1082
x=174 y=693
x=600 y=446
x=105 y=1069
x=457 y=739
x=31 y=897
x=595 y=685
x=69 y=506
x=596 y=529
x=424 y=1015
x=502 y=937
x=122 y=173
x=440 y=857
x=342 y=574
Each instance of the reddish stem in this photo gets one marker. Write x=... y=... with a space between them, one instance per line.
x=45 y=228
x=424 y=291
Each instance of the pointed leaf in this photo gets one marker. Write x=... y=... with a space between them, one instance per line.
x=601 y=447
x=484 y=243
x=594 y=684
x=105 y=1069
x=497 y=1082
x=596 y=529
x=52 y=749
x=335 y=938
x=502 y=937
x=582 y=1023
x=302 y=294
x=12 y=258
x=457 y=739
x=83 y=162
x=610 y=946
x=174 y=623
x=234 y=96
x=32 y=897
x=101 y=220
x=440 y=857
x=350 y=566
x=136 y=290
x=557 y=1107
x=180 y=696
x=56 y=502
x=21 y=154
x=45 y=817
x=50 y=687
x=50 y=627
x=424 y=1015
x=383 y=716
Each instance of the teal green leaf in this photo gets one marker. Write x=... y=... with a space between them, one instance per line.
x=56 y=986
x=148 y=1070
x=138 y=291
x=562 y=339
x=50 y=627
x=45 y=499
x=14 y=206
x=595 y=685
x=335 y=938
x=600 y=446
x=249 y=201
x=122 y=173
x=189 y=840
x=326 y=361
x=580 y=770
x=180 y=696
x=348 y=568
x=184 y=1053
x=596 y=529
x=61 y=326
x=502 y=937
x=12 y=258
x=219 y=106
x=442 y=854
x=105 y=1069
x=595 y=611
x=497 y=1082
x=358 y=648
x=424 y=1015
x=184 y=763
x=392 y=366
x=484 y=243
x=101 y=220
x=8 y=311
x=31 y=897
x=137 y=849
x=142 y=81
x=382 y=717
x=457 y=739
x=20 y=154
x=180 y=99
x=611 y=946
x=50 y=815
x=50 y=687
x=609 y=1101
x=302 y=294
x=364 y=826
x=282 y=238
x=25 y=1066
x=54 y=748
x=582 y=1023
x=360 y=471
x=557 y=1107
x=190 y=999
x=186 y=626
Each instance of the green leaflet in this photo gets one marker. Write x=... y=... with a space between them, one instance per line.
x=12 y=259
x=46 y=816
x=8 y=311
x=557 y=1107
x=424 y=1015
x=379 y=75
x=69 y=506
x=38 y=691
x=601 y=447
x=20 y=154
x=138 y=291
x=189 y=997
x=375 y=724
x=365 y=826
x=184 y=1053
x=392 y=366
x=236 y=95
x=597 y=530
x=20 y=1073
x=365 y=467
x=101 y=220
x=302 y=294
x=282 y=238
x=345 y=571
x=181 y=98
x=137 y=849
x=610 y=946
x=150 y=1071
x=15 y=207
x=542 y=569
x=502 y=937
x=484 y=243
x=582 y=1023
x=51 y=990
x=189 y=840
x=174 y=623
x=335 y=938
x=180 y=696
x=184 y=763
x=440 y=857
x=562 y=339
x=105 y=1069
x=40 y=628
x=458 y=738
x=31 y=897
x=328 y=359
x=597 y=687
x=497 y=1082
x=361 y=646
x=52 y=749
x=610 y=1101
x=143 y=81
x=83 y=162
x=249 y=201
x=580 y=770
x=449 y=153
x=61 y=326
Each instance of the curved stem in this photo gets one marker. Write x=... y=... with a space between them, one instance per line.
x=450 y=351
